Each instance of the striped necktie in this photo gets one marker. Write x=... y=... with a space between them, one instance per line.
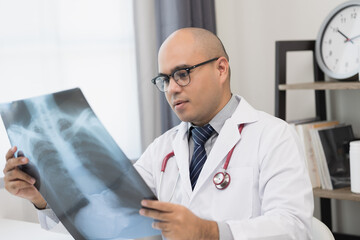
x=200 y=135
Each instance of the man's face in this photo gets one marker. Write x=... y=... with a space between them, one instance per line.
x=198 y=102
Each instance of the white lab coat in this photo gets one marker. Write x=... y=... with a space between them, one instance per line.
x=270 y=194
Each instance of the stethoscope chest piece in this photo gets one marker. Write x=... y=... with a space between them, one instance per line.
x=221 y=180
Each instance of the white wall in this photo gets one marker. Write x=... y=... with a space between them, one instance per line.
x=249 y=30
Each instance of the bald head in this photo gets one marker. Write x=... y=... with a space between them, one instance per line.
x=197 y=44
x=202 y=41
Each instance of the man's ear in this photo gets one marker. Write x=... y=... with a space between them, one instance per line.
x=223 y=68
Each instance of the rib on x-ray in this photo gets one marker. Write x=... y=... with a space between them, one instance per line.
x=80 y=171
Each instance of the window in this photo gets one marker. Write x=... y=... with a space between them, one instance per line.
x=52 y=45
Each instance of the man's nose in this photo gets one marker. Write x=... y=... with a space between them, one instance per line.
x=173 y=86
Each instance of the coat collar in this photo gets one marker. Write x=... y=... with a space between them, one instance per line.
x=180 y=146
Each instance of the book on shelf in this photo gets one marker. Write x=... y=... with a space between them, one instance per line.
x=320 y=160
x=331 y=148
x=303 y=131
x=303 y=121
x=335 y=143
x=294 y=123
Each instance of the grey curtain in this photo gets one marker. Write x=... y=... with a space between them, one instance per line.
x=172 y=15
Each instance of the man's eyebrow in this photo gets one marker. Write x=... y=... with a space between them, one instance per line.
x=177 y=68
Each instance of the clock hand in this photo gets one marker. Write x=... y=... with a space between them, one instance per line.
x=347 y=39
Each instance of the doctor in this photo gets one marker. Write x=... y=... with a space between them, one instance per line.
x=227 y=171
x=269 y=195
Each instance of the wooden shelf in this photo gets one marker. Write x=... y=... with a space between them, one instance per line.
x=321 y=86
x=340 y=194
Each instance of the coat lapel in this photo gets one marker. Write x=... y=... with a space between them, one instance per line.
x=181 y=150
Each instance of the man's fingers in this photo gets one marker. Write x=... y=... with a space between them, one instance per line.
x=157 y=205
x=10 y=153
x=15 y=187
x=150 y=213
x=161 y=211
x=155 y=214
x=14 y=162
x=163 y=226
x=16 y=174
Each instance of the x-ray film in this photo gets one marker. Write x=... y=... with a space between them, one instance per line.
x=79 y=169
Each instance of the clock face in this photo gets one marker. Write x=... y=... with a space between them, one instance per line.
x=340 y=42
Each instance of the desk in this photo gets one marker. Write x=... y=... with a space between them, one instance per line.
x=18 y=230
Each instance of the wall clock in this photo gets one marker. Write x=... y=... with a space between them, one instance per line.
x=337 y=45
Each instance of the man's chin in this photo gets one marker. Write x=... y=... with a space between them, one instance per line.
x=183 y=117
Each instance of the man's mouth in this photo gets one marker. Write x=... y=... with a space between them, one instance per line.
x=179 y=104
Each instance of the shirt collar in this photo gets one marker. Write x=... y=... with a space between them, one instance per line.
x=219 y=120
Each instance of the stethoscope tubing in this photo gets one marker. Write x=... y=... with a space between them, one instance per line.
x=166 y=159
x=228 y=157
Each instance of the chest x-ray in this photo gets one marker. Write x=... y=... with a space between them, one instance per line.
x=81 y=172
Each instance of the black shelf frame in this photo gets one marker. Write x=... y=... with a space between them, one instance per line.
x=281 y=48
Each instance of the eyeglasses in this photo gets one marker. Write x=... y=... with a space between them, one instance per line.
x=181 y=76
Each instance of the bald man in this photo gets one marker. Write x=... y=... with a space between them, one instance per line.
x=233 y=172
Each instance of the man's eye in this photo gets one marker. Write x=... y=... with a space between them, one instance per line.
x=182 y=74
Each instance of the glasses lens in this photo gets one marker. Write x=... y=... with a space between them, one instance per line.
x=162 y=83
x=182 y=77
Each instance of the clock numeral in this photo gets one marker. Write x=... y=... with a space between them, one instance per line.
x=342 y=19
x=330 y=53
x=353 y=15
x=346 y=64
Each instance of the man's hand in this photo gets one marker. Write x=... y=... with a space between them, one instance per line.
x=19 y=183
x=178 y=222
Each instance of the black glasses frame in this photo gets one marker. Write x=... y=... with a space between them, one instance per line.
x=187 y=69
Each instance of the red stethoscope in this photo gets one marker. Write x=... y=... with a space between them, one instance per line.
x=221 y=179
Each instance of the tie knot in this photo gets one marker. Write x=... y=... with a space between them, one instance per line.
x=201 y=134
